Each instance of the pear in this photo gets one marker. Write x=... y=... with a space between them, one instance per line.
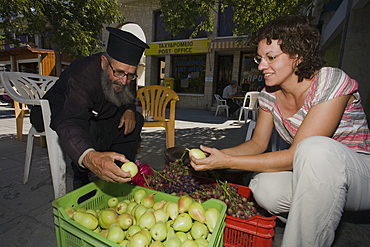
x=209 y=237
x=161 y=215
x=104 y=233
x=139 y=239
x=173 y=241
x=172 y=210
x=170 y=231
x=166 y=205
x=202 y=242
x=81 y=209
x=92 y=212
x=131 y=168
x=97 y=229
x=115 y=233
x=199 y=230
x=139 y=195
x=87 y=220
x=130 y=206
x=107 y=217
x=139 y=211
x=159 y=231
x=112 y=202
x=169 y=223
x=132 y=211
x=70 y=211
x=182 y=236
x=127 y=201
x=147 y=220
x=196 y=211
x=184 y=203
x=132 y=230
x=189 y=243
x=125 y=220
x=124 y=243
x=147 y=234
x=182 y=223
x=148 y=201
x=197 y=153
x=121 y=207
x=212 y=215
x=159 y=205
x=156 y=244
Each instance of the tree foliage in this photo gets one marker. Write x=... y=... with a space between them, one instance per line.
x=248 y=14
x=70 y=26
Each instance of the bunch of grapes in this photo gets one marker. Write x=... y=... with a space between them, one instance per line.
x=237 y=205
x=177 y=179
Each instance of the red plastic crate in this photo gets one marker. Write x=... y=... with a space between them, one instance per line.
x=258 y=231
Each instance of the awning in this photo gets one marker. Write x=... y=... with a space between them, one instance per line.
x=22 y=51
x=228 y=45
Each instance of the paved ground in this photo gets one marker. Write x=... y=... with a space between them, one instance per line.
x=26 y=211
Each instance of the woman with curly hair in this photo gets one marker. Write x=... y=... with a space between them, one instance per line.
x=317 y=110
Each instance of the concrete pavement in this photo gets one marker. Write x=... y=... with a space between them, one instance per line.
x=26 y=217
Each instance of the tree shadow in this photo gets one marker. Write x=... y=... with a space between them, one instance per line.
x=153 y=144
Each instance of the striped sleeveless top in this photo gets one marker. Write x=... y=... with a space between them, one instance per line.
x=329 y=83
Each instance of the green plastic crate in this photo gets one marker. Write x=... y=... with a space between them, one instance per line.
x=95 y=195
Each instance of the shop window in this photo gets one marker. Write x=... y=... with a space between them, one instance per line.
x=31 y=67
x=160 y=33
x=189 y=73
x=5 y=67
x=252 y=78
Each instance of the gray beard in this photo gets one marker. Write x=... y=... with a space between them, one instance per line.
x=126 y=97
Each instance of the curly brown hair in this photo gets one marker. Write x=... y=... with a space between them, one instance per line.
x=296 y=36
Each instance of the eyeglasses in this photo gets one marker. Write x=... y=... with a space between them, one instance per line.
x=268 y=58
x=121 y=74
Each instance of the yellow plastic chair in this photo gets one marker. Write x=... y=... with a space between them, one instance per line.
x=20 y=111
x=154 y=101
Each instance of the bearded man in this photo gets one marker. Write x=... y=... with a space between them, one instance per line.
x=93 y=110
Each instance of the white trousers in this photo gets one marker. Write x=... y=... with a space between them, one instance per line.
x=327 y=179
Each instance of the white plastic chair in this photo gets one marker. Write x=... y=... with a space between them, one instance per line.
x=29 y=89
x=221 y=105
x=252 y=106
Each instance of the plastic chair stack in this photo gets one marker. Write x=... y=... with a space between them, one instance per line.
x=29 y=89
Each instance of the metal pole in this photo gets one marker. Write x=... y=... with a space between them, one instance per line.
x=344 y=35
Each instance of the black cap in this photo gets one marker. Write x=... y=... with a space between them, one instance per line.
x=124 y=46
x=233 y=82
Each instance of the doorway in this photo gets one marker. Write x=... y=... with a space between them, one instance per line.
x=224 y=72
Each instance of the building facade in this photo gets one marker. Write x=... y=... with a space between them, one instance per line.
x=195 y=68
x=346 y=43
x=203 y=66
x=200 y=67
